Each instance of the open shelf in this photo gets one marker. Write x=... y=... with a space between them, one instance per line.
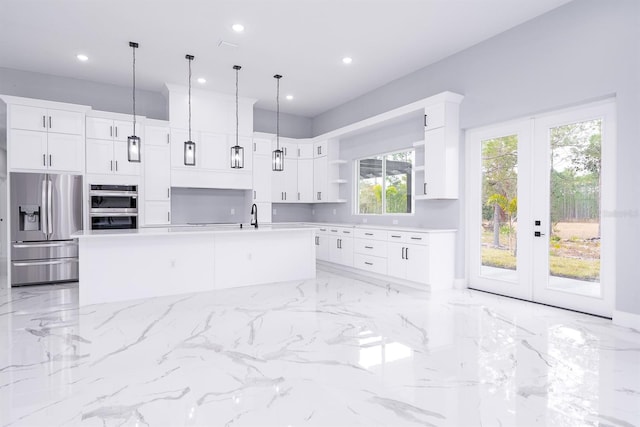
x=418 y=144
x=418 y=168
x=339 y=181
x=338 y=162
x=421 y=197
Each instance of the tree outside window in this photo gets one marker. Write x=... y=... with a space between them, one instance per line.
x=385 y=183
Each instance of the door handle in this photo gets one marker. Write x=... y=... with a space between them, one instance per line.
x=44 y=160
x=168 y=193
x=254 y=194
x=368 y=263
x=49 y=207
x=111 y=165
x=538 y=234
x=44 y=222
x=406 y=253
x=51 y=262
x=425 y=188
x=298 y=195
x=168 y=216
x=50 y=160
x=111 y=131
x=116 y=160
x=116 y=132
x=368 y=247
x=50 y=122
x=44 y=122
x=403 y=253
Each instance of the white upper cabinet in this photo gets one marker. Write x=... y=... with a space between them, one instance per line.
x=441 y=136
x=305 y=149
x=320 y=148
x=320 y=179
x=262 y=172
x=45 y=139
x=48 y=120
x=213 y=151
x=305 y=180
x=107 y=150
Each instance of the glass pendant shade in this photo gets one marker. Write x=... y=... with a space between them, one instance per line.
x=189 y=153
x=237 y=157
x=278 y=160
x=133 y=149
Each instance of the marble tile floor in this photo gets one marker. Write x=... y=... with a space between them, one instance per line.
x=333 y=351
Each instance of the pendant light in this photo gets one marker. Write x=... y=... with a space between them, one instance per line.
x=133 y=142
x=237 y=152
x=189 y=146
x=278 y=154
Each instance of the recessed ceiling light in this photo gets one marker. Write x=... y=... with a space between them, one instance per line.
x=289 y=97
x=238 y=28
x=202 y=80
x=82 y=57
x=347 y=60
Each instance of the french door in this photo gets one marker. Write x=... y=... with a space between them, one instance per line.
x=538 y=191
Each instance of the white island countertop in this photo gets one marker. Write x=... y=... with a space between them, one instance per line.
x=190 y=229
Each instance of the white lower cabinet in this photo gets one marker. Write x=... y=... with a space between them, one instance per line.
x=424 y=258
x=409 y=262
x=322 y=244
x=341 y=246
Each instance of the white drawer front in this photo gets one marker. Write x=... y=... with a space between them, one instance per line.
x=370 y=263
x=408 y=237
x=370 y=234
x=371 y=247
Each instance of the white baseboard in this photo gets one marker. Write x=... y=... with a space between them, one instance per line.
x=626 y=319
x=460 y=283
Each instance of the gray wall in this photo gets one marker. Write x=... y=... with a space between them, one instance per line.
x=189 y=205
x=585 y=50
x=291 y=126
x=428 y=213
x=291 y=212
x=100 y=96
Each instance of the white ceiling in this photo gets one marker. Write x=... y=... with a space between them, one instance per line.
x=304 y=40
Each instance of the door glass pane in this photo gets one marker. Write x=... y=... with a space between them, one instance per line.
x=574 y=243
x=370 y=185
x=398 y=185
x=499 y=208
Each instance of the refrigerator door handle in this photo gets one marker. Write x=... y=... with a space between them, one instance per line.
x=44 y=262
x=44 y=221
x=49 y=208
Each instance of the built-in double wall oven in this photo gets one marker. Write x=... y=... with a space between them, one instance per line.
x=113 y=206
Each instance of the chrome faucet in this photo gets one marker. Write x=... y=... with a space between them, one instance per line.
x=254 y=215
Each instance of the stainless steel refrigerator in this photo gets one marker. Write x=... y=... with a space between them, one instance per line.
x=45 y=210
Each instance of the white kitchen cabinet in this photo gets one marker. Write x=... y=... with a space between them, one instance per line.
x=305 y=149
x=322 y=244
x=341 y=246
x=441 y=137
x=305 y=180
x=262 y=173
x=157 y=212
x=320 y=148
x=408 y=261
x=109 y=157
x=157 y=175
x=214 y=153
x=46 y=120
x=320 y=180
x=106 y=145
x=46 y=139
x=105 y=128
x=284 y=184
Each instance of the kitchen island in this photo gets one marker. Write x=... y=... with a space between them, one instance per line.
x=118 y=265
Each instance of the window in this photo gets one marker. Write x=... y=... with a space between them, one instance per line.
x=385 y=184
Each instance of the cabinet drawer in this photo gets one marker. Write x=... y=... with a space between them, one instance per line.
x=434 y=116
x=370 y=234
x=370 y=263
x=371 y=247
x=408 y=237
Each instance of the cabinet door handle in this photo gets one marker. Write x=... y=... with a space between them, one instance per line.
x=254 y=194
x=416 y=238
x=168 y=139
x=298 y=195
x=44 y=122
x=368 y=234
x=111 y=165
x=285 y=151
x=285 y=195
x=426 y=120
x=168 y=193
x=368 y=263
x=368 y=247
x=298 y=152
x=319 y=149
x=116 y=160
x=403 y=253
x=111 y=131
x=116 y=137
x=254 y=147
x=49 y=159
x=425 y=188
x=395 y=237
x=406 y=253
x=168 y=216
x=44 y=160
x=50 y=122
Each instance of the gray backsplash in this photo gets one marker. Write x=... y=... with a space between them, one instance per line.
x=189 y=205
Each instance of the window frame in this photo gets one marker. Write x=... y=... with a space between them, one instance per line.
x=356 y=181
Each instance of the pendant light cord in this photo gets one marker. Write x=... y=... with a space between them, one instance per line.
x=134 y=90
x=189 y=98
x=237 y=119
x=278 y=113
